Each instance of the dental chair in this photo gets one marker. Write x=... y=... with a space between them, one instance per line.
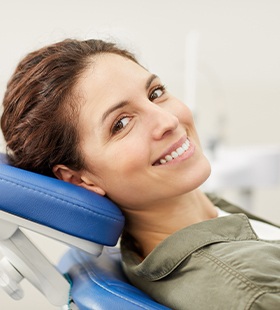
x=89 y=275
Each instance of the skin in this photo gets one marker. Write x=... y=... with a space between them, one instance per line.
x=127 y=122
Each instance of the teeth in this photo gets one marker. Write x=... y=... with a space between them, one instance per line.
x=186 y=145
x=174 y=154
x=180 y=150
x=168 y=157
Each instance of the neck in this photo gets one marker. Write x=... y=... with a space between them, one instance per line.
x=149 y=226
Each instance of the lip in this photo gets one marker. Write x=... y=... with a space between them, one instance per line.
x=172 y=148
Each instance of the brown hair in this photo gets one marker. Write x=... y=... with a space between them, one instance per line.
x=40 y=116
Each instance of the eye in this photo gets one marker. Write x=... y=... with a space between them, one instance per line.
x=120 y=124
x=157 y=92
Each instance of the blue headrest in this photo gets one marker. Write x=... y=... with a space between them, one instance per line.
x=59 y=205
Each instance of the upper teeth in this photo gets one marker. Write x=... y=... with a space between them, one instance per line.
x=179 y=151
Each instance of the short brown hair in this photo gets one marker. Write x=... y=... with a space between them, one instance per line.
x=39 y=121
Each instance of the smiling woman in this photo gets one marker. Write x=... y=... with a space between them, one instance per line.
x=123 y=103
x=88 y=113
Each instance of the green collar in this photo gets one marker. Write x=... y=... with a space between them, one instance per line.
x=186 y=241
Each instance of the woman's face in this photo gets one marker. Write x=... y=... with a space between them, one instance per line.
x=130 y=128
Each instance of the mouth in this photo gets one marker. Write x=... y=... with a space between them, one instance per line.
x=174 y=154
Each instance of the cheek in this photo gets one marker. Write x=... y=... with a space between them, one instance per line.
x=184 y=114
x=185 y=117
x=130 y=156
x=120 y=161
x=125 y=175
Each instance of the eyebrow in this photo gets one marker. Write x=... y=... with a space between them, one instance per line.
x=150 y=81
x=124 y=103
x=114 y=108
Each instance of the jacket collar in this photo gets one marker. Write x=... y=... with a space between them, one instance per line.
x=177 y=247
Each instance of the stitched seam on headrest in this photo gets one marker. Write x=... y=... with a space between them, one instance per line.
x=60 y=199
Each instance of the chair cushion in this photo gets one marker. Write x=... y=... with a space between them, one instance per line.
x=99 y=282
x=59 y=205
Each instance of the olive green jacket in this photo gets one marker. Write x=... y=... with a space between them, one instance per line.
x=217 y=264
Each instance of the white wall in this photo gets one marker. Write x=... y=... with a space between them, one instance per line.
x=238 y=61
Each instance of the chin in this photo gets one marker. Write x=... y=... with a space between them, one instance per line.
x=200 y=175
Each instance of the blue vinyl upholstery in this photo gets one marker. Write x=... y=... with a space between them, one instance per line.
x=103 y=277
x=59 y=205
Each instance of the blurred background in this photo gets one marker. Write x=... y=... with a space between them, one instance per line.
x=221 y=57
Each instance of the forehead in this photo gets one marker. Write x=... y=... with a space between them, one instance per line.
x=109 y=71
x=110 y=74
x=109 y=79
x=109 y=67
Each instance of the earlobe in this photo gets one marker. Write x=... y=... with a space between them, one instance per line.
x=93 y=188
x=66 y=174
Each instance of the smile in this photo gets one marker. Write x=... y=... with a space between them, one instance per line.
x=174 y=154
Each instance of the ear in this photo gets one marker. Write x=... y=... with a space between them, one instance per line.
x=66 y=174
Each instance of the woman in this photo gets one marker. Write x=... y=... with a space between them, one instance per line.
x=86 y=112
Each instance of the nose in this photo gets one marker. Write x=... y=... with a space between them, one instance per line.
x=161 y=122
